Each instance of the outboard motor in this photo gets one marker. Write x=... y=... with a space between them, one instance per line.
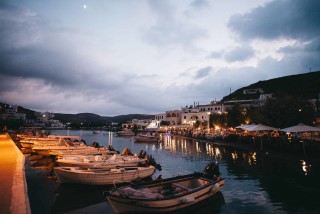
x=212 y=171
x=151 y=161
x=95 y=145
x=111 y=148
x=142 y=154
x=126 y=151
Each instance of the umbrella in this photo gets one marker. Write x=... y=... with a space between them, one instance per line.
x=260 y=127
x=244 y=127
x=301 y=128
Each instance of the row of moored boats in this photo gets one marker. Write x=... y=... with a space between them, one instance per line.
x=76 y=162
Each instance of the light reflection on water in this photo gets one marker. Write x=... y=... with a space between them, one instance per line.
x=254 y=183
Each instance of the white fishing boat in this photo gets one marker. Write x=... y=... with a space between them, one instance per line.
x=99 y=132
x=91 y=176
x=146 y=138
x=87 y=152
x=166 y=195
x=66 y=147
x=52 y=140
x=99 y=161
x=125 y=133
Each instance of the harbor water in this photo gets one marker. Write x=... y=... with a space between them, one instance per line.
x=255 y=181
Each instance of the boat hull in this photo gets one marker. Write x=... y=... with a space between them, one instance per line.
x=67 y=175
x=146 y=140
x=100 y=164
x=127 y=204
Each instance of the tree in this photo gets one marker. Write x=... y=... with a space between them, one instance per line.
x=218 y=119
x=287 y=111
x=235 y=115
x=196 y=124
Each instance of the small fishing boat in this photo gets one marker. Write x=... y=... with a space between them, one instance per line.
x=99 y=132
x=146 y=138
x=125 y=133
x=29 y=142
x=166 y=195
x=99 y=161
x=92 y=176
x=56 y=150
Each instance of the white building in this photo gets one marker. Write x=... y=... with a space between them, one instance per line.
x=188 y=115
x=191 y=114
x=11 y=113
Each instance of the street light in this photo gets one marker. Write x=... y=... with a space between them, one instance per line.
x=208 y=122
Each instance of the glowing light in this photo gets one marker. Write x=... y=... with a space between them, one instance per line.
x=84 y=6
x=234 y=155
x=305 y=168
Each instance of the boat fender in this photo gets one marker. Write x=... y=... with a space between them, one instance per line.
x=187 y=200
x=215 y=188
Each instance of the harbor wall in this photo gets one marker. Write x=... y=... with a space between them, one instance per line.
x=13 y=185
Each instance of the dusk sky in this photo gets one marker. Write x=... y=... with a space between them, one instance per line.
x=114 y=57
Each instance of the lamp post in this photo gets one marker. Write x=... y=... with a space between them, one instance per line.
x=208 y=122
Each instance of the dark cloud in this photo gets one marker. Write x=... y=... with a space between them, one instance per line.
x=239 y=54
x=293 y=19
x=216 y=54
x=288 y=20
x=34 y=49
x=199 y=4
x=203 y=72
x=169 y=31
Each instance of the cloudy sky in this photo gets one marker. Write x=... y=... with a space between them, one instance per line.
x=113 y=57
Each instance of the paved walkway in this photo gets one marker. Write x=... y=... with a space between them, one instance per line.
x=13 y=187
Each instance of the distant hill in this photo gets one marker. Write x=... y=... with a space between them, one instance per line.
x=90 y=117
x=81 y=117
x=305 y=85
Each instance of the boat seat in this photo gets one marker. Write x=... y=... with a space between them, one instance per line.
x=181 y=186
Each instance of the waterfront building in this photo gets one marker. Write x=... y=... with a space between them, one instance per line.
x=44 y=120
x=141 y=124
x=193 y=113
x=252 y=98
x=173 y=117
x=11 y=113
x=190 y=114
x=160 y=117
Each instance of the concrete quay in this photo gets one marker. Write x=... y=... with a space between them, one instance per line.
x=13 y=186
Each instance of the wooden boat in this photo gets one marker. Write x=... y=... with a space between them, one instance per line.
x=167 y=195
x=75 y=152
x=51 y=140
x=146 y=138
x=99 y=132
x=125 y=133
x=98 y=161
x=101 y=176
x=56 y=150
x=65 y=145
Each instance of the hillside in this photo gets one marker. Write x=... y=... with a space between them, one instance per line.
x=89 y=117
x=305 y=85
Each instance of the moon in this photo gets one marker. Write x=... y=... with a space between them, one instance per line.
x=84 y=6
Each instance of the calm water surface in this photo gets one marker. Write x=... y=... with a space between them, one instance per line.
x=255 y=182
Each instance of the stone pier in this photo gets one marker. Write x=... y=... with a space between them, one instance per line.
x=13 y=185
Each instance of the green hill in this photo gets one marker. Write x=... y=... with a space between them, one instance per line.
x=305 y=85
x=89 y=117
